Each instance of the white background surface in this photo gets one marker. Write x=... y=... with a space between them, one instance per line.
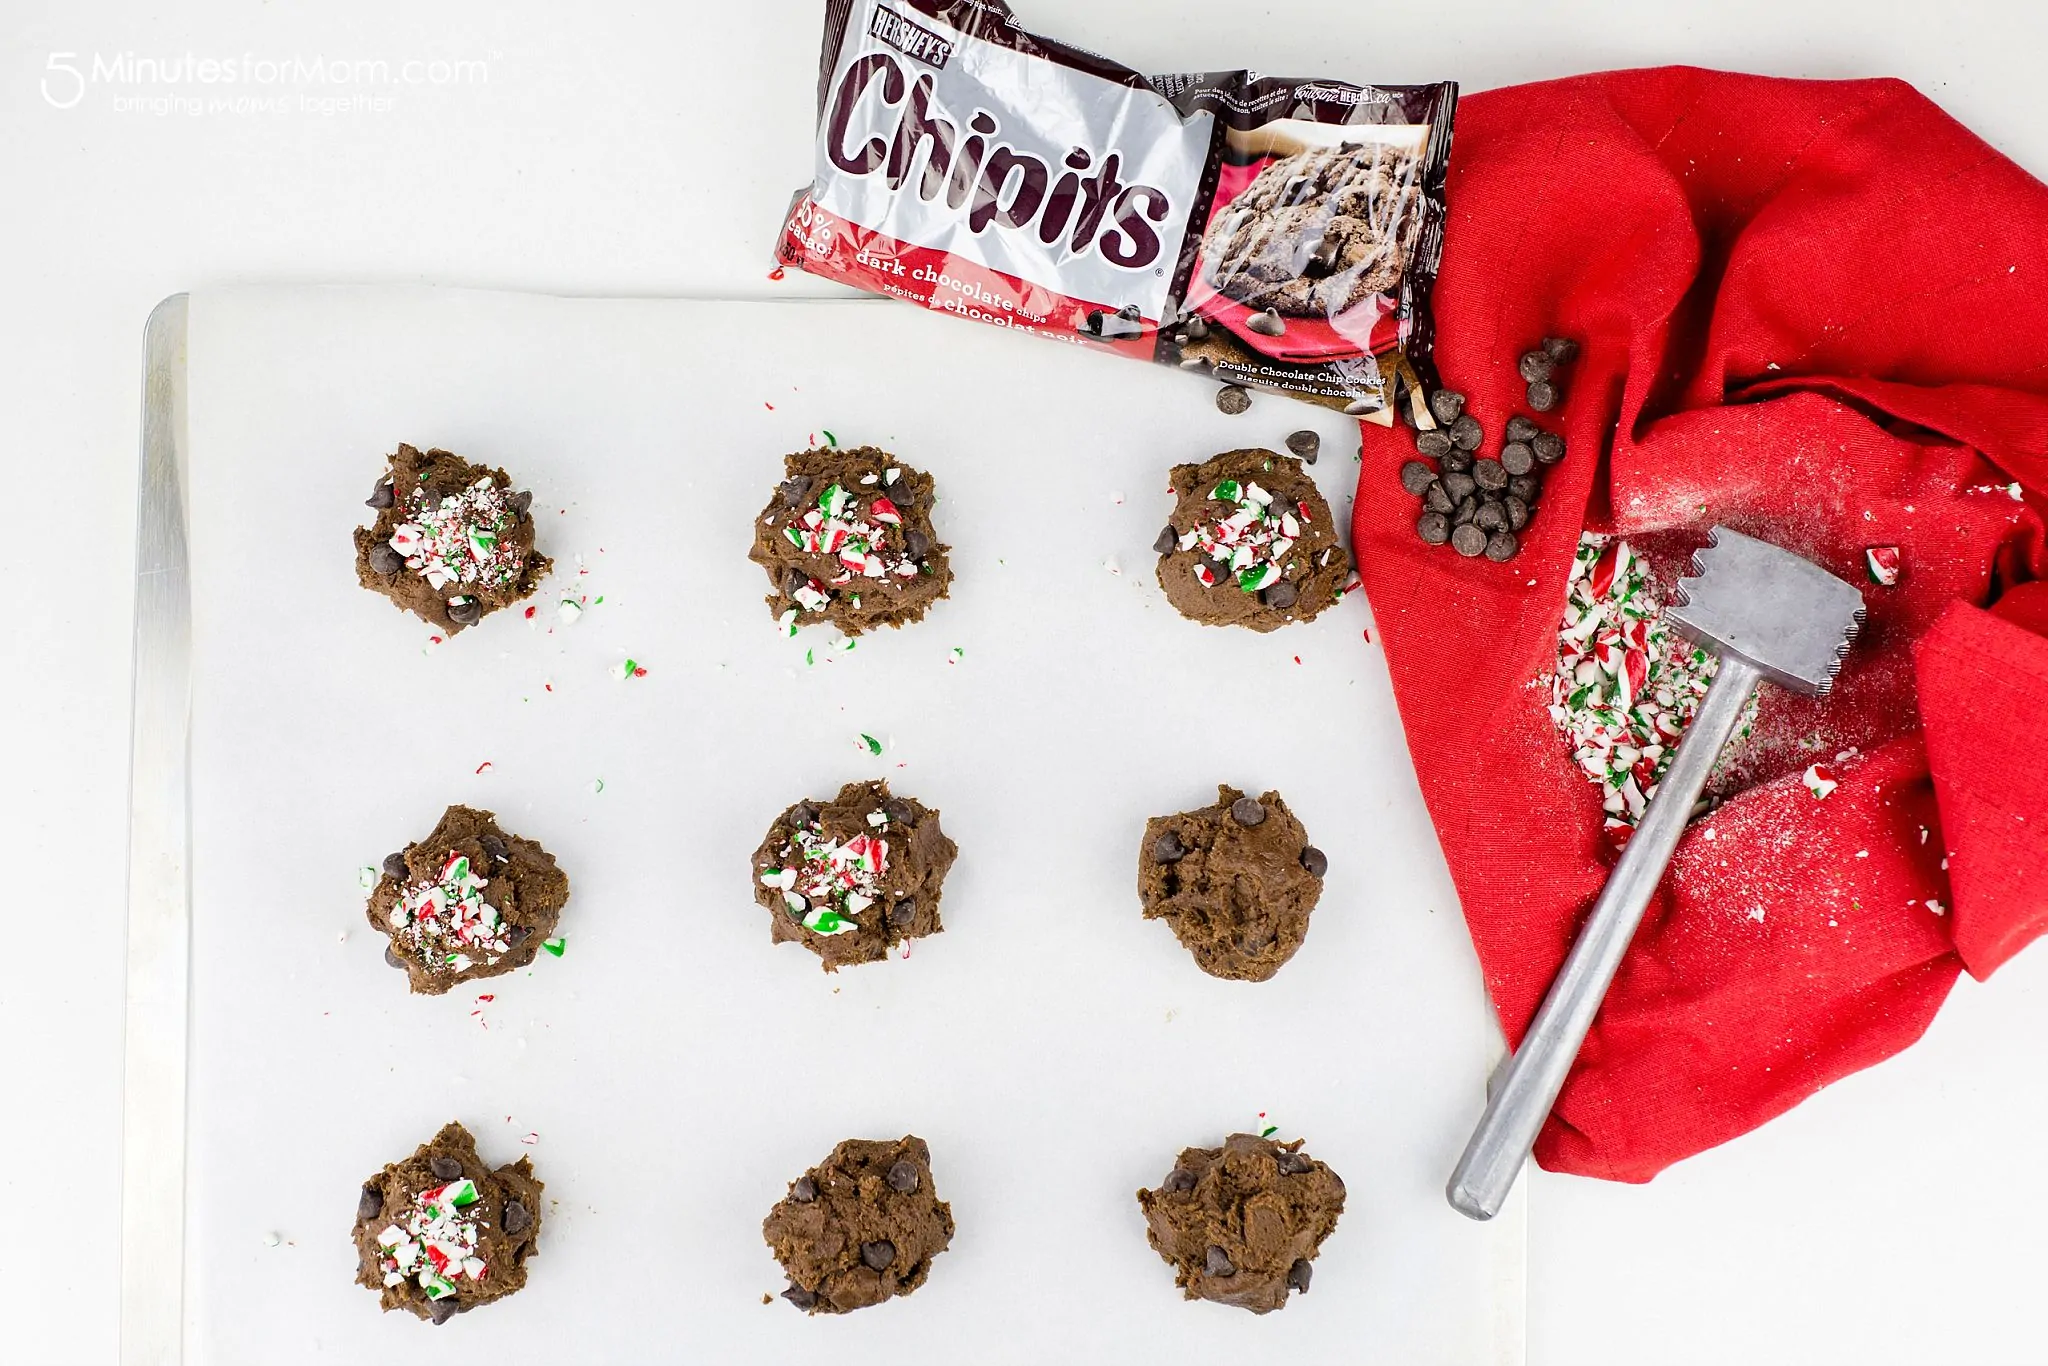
x=635 y=149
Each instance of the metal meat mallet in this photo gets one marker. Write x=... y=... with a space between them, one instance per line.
x=1768 y=614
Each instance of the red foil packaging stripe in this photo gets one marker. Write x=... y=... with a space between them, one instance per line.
x=1254 y=230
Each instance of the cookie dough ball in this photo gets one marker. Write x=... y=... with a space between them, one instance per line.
x=848 y=539
x=468 y=901
x=452 y=542
x=1236 y=882
x=1241 y=1224
x=1251 y=543
x=439 y=1233
x=852 y=878
x=860 y=1227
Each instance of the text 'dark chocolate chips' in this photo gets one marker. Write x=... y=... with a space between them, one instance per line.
x=468 y=901
x=1241 y=1224
x=855 y=877
x=439 y=1233
x=861 y=1227
x=452 y=543
x=1236 y=882
x=1256 y=543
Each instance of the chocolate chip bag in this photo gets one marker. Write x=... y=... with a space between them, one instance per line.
x=1259 y=231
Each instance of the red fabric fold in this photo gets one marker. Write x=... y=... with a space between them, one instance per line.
x=1811 y=311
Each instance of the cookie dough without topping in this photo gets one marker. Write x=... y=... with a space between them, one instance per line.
x=1251 y=543
x=848 y=538
x=468 y=901
x=439 y=1233
x=1236 y=882
x=1241 y=1224
x=860 y=1227
x=452 y=543
x=851 y=878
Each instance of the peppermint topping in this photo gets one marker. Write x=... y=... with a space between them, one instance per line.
x=446 y=924
x=456 y=539
x=863 y=532
x=1251 y=543
x=827 y=885
x=435 y=1244
x=1883 y=563
x=1625 y=686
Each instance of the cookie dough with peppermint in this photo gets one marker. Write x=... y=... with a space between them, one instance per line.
x=861 y=1227
x=439 y=1233
x=468 y=901
x=1251 y=543
x=852 y=878
x=1242 y=1224
x=848 y=539
x=1236 y=882
x=452 y=543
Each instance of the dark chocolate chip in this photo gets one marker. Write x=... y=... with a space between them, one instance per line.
x=1535 y=366
x=370 y=1203
x=1168 y=848
x=1460 y=485
x=795 y=490
x=800 y=1297
x=1417 y=476
x=803 y=813
x=384 y=560
x=1219 y=1263
x=391 y=958
x=916 y=544
x=1179 y=1179
x=1196 y=327
x=494 y=846
x=441 y=1310
x=1130 y=313
x=1306 y=445
x=1166 y=542
x=1280 y=596
x=1491 y=516
x=1456 y=461
x=1466 y=433
x=1466 y=510
x=1549 y=447
x=903 y=1178
x=514 y=1218
x=1521 y=428
x=1267 y=324
x=1294 y=1164
x=380 y=497
x=1233 y=399
x=1563 y=350
x=518 y=935
x=1518 y=512
x=1501 y=547
x=465 y=612
x=1543 y=396
x=1517 y=458
x=1435 y=443
x=1525 y=487
x=1359 y=407
x=804 y=1191
x=903 y=912
x=899 y=811
x=1489 y=475
x=1468 y=541
x=520 y=501
x=1433 y=527
x=1299 y=1274
x=795 y=581
x=394 y=867
x=1437 y=498
x=444 y=1168
x=1247 y=812
x=1315 y=861
x=878 y=1254
x=1219 y=570
x=1445 y=405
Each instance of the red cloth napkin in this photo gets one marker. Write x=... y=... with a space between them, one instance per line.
x=1816 y=312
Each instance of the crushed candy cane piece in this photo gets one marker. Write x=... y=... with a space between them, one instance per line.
x=1882 y=563
x=555 y=945
x=870 y=743
x=628 y=668
x=1820 y=781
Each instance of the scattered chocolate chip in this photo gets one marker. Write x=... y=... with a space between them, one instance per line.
x=392 y=960
x=1417 y=476
x=445 y=1168
x=1179 y=1179
x=1456 y=461
x=1525 y=487
x=1267 y=324
x=1233 y=399
x=465 y=612
x=1436 y=443
x=1299 y=1274
x=804 y=1191
x=1247 y=812
x=1501 y=547
x=514 y=1218
x=441 y=1310
x=1460 y=485
x=798 y=1296
x=1468 y=540
x=1168 y=848
x=1466 y=433
x=1433 y=527
x=495 y=847
x=385 y=560
x=1219 y=1263
x=1518 y=512
x=1543 y=396
x=1521 y=428
x=380 y=497
x=1445 y=405
x=394 y=867
x=1489 y=475
x=520 y=501
x=878 y=1254
x=1305 y=444
x=369 y=1204
x=1166 y=541
x=1517 y=458
x=1535 y=366
x=1294 y=1164
x=916 y=544
x=1549 y=447
x=1437 y=498
x=903 y=912
x=903 y=1178
x=1466 y=510
x=1315 y=861
x=1563 y=350
x=795 y=490
x=1281 y=595
x=1491 y=516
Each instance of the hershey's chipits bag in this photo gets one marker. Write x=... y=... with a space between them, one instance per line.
x=1261 y=231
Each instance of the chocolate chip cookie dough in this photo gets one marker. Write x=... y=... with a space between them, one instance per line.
x=468 y=901
x=1236 y=882
x=852 y=878
x=848 y=538
x=452 y=542
x=1251 y=543
x=439 y=1233
x=1241 y=1224
x=860 y=1227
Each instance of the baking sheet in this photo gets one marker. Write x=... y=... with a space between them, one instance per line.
x=673 y=1070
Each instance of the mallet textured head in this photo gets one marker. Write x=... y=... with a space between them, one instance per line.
x=1784 y=614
